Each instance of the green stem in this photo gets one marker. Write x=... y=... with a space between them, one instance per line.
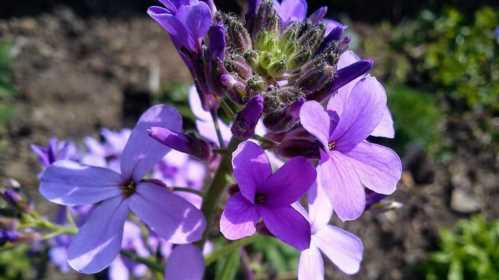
x=227 y=109
x=221 y=141
x=188 y=190
x=217 y=187
x=228 y=249
x=145 y=261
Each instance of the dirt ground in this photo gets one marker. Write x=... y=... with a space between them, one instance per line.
x=76 y=75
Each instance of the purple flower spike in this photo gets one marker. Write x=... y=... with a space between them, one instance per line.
x=267 y=196
x=99 y=240
x=185 y=262
x=246 y=120
x=56 y=150
x=341 y=247
x=348 y=162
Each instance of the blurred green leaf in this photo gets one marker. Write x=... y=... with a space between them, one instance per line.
x=227 y=268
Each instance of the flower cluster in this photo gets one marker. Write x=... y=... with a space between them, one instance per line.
x=301 y=109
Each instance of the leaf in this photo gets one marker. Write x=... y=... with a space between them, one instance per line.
x=227 y=268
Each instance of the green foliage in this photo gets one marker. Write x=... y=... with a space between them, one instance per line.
x=417 y=118
x=227 y=268
x=468 y=252
x=459 y=56
x=281 y=258
x=14 y=263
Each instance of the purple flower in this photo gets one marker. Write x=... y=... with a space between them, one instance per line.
x=108 y=152
x=348 y=162
x=246 y=120
x=99 y=239
x=343 y=248
x=267 y=196
x=291 y=10
x=56 y=150
x=185 y=262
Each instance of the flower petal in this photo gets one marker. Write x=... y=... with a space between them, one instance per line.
x=291 y=10
x=379 y=168
x=99 y=240
x=196 y=17
x=311 y=265
x=185 y=262
x=70 y=183
x=362 y=112
x=320 y=208
x=168 y=215
x=316 y=121
x=343 y=248
x=288 y=225
x=238 y=218
x=142 y=152
x=204 y=122
x=289 y=182
x=342 y=185
x=251 y=168
x=172 y=25
x=385 y=128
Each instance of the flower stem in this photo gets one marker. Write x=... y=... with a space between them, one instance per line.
x=217 y=187
x=225 y=250
x=154 y=266
x=221 y=141
x=188 y=190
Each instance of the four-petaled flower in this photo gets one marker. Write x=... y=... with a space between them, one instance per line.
x=98 y=241
x=267 y=196
x=348 y=162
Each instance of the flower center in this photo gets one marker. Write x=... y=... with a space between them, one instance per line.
x=259 y=198
x=332 y=145
x=128 y=188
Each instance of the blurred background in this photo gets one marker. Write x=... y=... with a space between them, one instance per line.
x=69 y=68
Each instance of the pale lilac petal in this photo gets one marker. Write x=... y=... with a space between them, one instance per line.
x=291 y=10
x=118 y=270
x=288 y=225
x=379 y=168
x=316 y=121
x=342 y=185
x=311 y=265
x=98 y=242
x=385 y=128
x=185 y=262
x=168 y=215
x=70 y=183
x=332 y=25
x=251 y=168
x=142 y=152
x=172 y=25
x=320 y=208
x=204 y=121
x=288 y=183
x=238 y=218
x=362 y=112
x=343 y=248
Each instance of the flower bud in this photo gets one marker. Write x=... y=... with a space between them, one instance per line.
x=16 y=199
x=238 y=65
x=317 y=16
x=181 y=142
x=315 y=79
x=246 y=120
x=238 y=37
x=285 y=119
x=312 y=38
x=234 y=87
x=266 y=19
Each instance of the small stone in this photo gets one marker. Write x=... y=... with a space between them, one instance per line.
x=464 y=203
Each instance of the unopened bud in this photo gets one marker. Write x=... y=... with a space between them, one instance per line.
x=246 y=120
x=238 y=37
x=266 y=19
x=235 y=87
x=181 y=142
x=312 y=38
x=315 y=79
x=238 y=65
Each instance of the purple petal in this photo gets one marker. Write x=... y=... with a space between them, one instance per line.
x=185 y=262
x=170 y=5
x=316 y=121
x=311 y=265
x=346 y=75
x=118 y=270
x=343 y=248
x=362 y=112
x=216 y=36
x=291 y=10
x=238 y=218
x=342 y=185
x=288 y=225
x=246 y=120
x=333 y=25
x=379 y=168
x=173 y=26
x=168 y=215
x=317 y=16
x=142 y=152
x=320 y=208
x=175 y=140
x=70 y=183
x=251 y=168
x=196 y=18
x=289 y=182
x=99 y=241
